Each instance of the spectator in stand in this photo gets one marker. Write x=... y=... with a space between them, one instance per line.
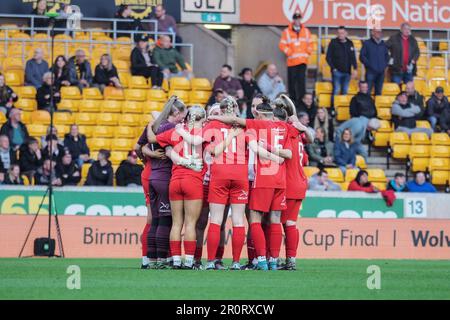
x=168 y=59
x=445 y=121
x=166 y=23
x=106 y=73
x=359 y=129
x=30 y=158
x=57 y=149
x=50 y=131
x=68 y=170
x=43 y=94
x=257 y=99
x=270 y=83
x=362 y=104
x=398 y=184
x=217 y=97
x=345 y=151
x=415 y=97
x=361 y=183
x=308 y=105
x=35 y=69
x=420 y=184
x=320 y=182
x=436 y=105
x=63 y=74
x=322 y=120
x=243 y=108
x=76 y=143
x=404 y=52
x=304 y=119
x=124 y=13
x=341 y=57
x=41 y=21
x=405 y=115
x=82 y=69
x=13 y=176
x=375 y=58
x=297 y=45
x=15 y=130
x=7 y=97
x=227 y=83
x=142 y=63
x=321 y=151
x=249 y=84
x=129 y=172
x=101 y=172
x=43 y=175
x=7 y=155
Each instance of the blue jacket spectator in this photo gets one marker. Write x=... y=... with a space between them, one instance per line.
x=419 y=184
x=398 y=184
x=35 y=69
x=271 y=83
x=345 y=151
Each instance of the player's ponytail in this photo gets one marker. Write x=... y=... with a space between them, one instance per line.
x=195 y=114
x=174 y=104
x=280 y=113
x=229 y=105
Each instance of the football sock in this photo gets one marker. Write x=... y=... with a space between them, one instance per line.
x=276 y=238
x=291 y=241
x=151 y=239
x=219 y=253
x=250 y=248
x=189 y=251
x=258 y=239
x=237 y=242
x=213 y=240
x=175 y=249
x=266 y=229
x=162 y=236
x=144 y=240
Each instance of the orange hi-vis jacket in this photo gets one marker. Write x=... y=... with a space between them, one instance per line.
x=296 y=46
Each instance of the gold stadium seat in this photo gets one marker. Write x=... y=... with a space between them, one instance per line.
x=437 y=63
x=117 y=157
x=13 y=64
x=400 y=143
x=72 y=93
x=434 y=83
x=150 y=106
x=108 y=119
x=343 y=113
x=419 y=151
x=350 y=174
x=129 y=120
x=324 y=100
x=70 y=105
x=344 y=185
x=62 y=130
x=26 y=104
x=420 y=164
x=384 y=101
x=390 y=89
x=380 y=185
x=440 y=139
x=37 y=130
x=135 y=94
x=201 y=84
x=335 y=174
x=63 y=118
x=124 y=79
x=103 y=132
x=86 y=130
x=423 y=124
x=420 y=138
x=199 y=97
x=112 y=93
x=156 y=95
x=353 y=87
x=138 y=82
x=360 y=162
x=440 y=177
x=180 y=83
x=86 y=119
x=420 y=85
x=26 y=117
x=323 y=87
x=440 y=151
x=342 y=101
x=124 y=132
x=436 y=74
x=441 y=164
x=133 y=107
x=14 y=78
x=310 y=171
x=145 y=120
x=92 y=94
x=92 y=106
x=84 y=172
x=384 y=113
x=111 y=106
x=96 y=144
x=123 y=144
x=181 y=94
x=376 y=175
x=40 y=117
x=443 y=46
x=3 y=118
x=27 y=92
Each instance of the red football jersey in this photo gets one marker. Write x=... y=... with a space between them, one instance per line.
x=172 y=138
x=269 y=174
x=232 y=163
x=296 y=179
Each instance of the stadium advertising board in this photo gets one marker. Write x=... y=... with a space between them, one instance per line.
x=357 y=13
x=210 y=11
x=119 y=237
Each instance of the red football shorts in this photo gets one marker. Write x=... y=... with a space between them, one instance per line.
x=189 y=188
x=267 y=199
x=292 y=210
x=228 y=191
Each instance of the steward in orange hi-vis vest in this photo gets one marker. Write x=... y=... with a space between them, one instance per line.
x=296 y=45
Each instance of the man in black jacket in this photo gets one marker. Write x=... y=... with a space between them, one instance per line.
x=82 y=68
x=68 y=170
x=15 y=130
x=308 y=106
x=7 y=155
x=444 y=121
x=341 y=58
x=403 y=67
x=43 y=175
x=57 y=149
x=415 y=97
x=129 y=172
x=142 y=63
x=101 y=172
x=362 y=104
x=30 y=158
x=76 y=143
x=43 y=94
x=436 y=105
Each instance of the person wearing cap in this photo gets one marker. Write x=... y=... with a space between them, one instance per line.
x=57 y=149
x=68 y=170
x=168 y=59
x=297 y=45
x=124 y=13
x=436 y=105
x=101 y=172
x=249 y=85
x=142 y=62
x=129 y=172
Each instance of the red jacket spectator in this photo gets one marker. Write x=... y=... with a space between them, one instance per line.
x=361 y=183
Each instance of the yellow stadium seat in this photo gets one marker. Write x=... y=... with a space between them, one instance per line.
x=138 y=82
x=419 y=151
x=86 y=119
x=376 y=175
x=201 y=84
x=13 y=64
x=436 y=74
x=150 y=106
x=335 y=174
x=180 y=83
x=108 y=119
x=124 y=79
x=443 y=46
x=310 y=171
x=384 y=101
x=96 y=144
x=133 y=107
x=423 y=124
x=323 y=87
x=385 y=126
x=92 y=106
x=439 y=164
x=3 y=118
x=70 y=105
x=344 y=185
x=440 y=151
x=420 y=85
x=380 y=185
x=63 y=118
x=62 y=130
x=14 y=78
x=84 y=172
x=440 y=177
x=72 y=93
x=117 y=157
x=26 y=117
x=342 y=101
x=122 y=66
x=381 y=139
x=112 y=93
x=40 y=117
x=86 y=130
x=360 y=162
x=390 y=89
x=145 y=119
x=124 y=132
x=135 y=94
x=103 y=132
x=437 y=62
x=181 y=94
x=342 y=113
x=350 y=174
x=92 y=94
x=26 y=104
x=111 y=106
x=419 y=138
x=156 y=95
x=27 y=92
x=325 y=100
x=123 y=144
x=353 y=87
x=37 y=130
x=384 y=113
x=400 y=143
x=420 y=164
x=129 y=120
x=440 y=139
x=199 y=97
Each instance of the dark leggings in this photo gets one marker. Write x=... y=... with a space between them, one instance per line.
x=158 y=237
x=153 y=72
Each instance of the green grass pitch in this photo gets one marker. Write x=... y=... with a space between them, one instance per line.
x=43 y=278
